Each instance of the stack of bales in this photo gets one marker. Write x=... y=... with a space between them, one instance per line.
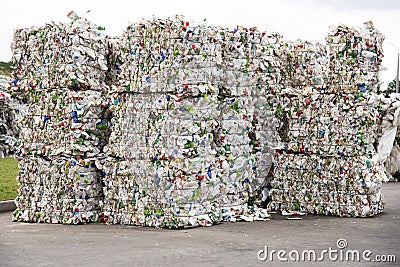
x=8 y=116
x=196 y=111
x=61 y=69
x=189 y=146
x=329 y=164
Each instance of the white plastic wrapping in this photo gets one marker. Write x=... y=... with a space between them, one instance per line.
x=388 y=146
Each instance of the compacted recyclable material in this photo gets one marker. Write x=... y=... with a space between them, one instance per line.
x=179 y=125
x=11 y=111
x=191 y=129
x=60 y=69
x=60 y=55
x=328 y=163
x=8 y=127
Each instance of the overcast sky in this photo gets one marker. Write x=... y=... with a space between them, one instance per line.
x=305 y=19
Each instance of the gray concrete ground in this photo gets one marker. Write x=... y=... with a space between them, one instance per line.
x=227 y=244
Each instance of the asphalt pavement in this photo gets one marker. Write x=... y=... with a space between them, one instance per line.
x=226 y=244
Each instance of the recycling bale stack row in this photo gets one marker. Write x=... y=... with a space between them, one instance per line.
x=329 y=164
x=194 y=116
x=61 y=70
x=8 y=127
x=183 y=151
x=12 y=109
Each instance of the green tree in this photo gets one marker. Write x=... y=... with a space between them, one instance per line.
x=391 y=87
